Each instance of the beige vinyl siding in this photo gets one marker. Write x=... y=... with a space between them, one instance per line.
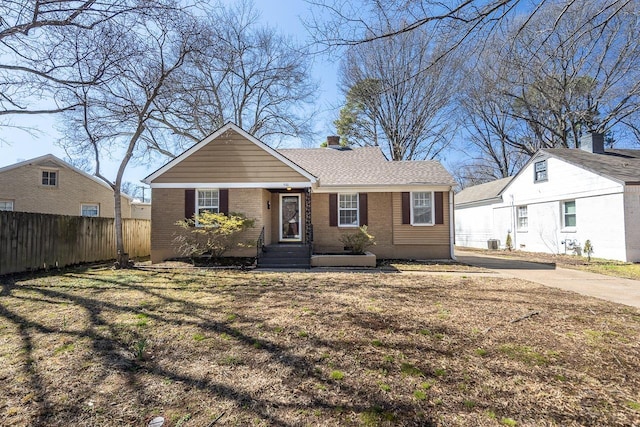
x=406 y=234
x=230 y=158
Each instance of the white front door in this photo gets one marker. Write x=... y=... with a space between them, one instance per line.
x=290 y=224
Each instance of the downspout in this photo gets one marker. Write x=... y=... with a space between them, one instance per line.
x=452 y=228
x=513 y=222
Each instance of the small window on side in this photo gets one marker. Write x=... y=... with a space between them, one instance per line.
x=569 y=216
x=6 y=205
x=50 y=178
x=89 y=209
x=523 y=218
x=540 y=171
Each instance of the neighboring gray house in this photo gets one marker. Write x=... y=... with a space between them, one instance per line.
x=559 y=199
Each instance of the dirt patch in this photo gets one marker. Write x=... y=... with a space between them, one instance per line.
x=103 y=347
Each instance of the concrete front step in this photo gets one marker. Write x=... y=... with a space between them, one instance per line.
x=284 y=261
x=285 y=256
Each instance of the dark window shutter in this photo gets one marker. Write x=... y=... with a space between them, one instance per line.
x=439 y=197
x=333 y=210
x=189 y=203
x=362 y=206
x=406 y=207
x=224 y=201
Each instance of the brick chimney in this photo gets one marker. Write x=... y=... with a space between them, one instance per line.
x=592 y=142
x=333 y=141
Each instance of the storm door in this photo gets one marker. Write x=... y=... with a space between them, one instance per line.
x=290 y=224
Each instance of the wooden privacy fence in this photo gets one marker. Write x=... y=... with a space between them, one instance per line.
x=31 y=241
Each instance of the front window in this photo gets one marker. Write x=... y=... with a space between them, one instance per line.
x=348 y=210
x=50 y=178
x=89 y=210
x=523 y=218
x=422 y=208
x=540 y=171
x=6 y=205
x=208 y=200
x=569 y=214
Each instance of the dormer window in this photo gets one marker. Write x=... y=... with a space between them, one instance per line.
x=50 y=178
x=540 y=171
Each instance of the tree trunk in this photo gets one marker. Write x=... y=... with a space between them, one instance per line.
x=122 y=260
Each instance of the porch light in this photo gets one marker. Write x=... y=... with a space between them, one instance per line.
x=288 y=188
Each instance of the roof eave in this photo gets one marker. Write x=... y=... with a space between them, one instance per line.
x=476 y=203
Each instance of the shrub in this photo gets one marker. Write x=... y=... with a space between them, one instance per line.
x=588 y=249
x=212 y=233
x=359 y=241
x=509 y=242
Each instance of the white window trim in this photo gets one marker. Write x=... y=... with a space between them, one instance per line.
x=568 y=228
x=82 y=206
x=57 y=172
x=357 y=208
x=10 y=202
x=518 y=227
x=433 y=210
x=198 y=207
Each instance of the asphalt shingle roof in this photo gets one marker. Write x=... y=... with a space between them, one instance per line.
x=620 y=164
x=486 y=191
x=366 y=166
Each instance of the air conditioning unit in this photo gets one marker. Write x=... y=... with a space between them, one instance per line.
x=493 y=244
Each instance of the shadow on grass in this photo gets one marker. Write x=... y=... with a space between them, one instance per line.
x=111 y=344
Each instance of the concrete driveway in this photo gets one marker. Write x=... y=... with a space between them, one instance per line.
x=623 y=291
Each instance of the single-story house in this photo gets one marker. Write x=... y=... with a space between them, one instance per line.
x=49 y=185
x=560 y=199
x=306 y=196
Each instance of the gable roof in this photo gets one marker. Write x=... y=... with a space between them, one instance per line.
x=366 y=166
x=487 y=192
x=216 y=134
x=48 y=159
x=622 y=165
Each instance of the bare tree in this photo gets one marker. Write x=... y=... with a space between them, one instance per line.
x=395 y=98
x=336 y=23
x=248 y=74
x=570 y=79
x=546 y=85
x=135 y=57
x=33 y=63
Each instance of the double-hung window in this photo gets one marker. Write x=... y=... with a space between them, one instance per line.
x=208 y=200
x=422 y=208
x=569 y=214
x=523 y=218
x=6 y=205
x=50 y=178
x=89 y=209
x=348 y=210
x=540 y=171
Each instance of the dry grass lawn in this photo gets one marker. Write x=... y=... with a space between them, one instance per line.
x=627 y=270
x=98 y=347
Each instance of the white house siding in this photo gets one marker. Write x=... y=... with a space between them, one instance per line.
x=600 y=213
x=474 y=226
x=632 y=221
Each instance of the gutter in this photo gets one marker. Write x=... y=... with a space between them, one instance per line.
x=452 y=228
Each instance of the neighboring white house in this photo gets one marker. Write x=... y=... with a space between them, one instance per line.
x=559 y=199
